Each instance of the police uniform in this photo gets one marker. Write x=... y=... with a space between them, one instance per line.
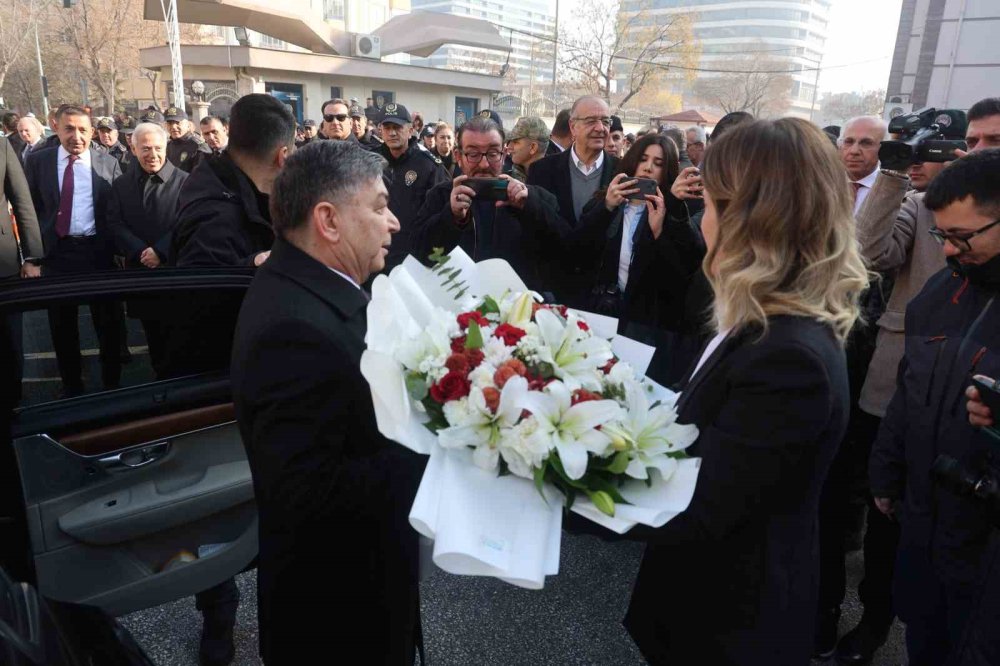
x=117 y=151
x=409 y=177
x=185 y=152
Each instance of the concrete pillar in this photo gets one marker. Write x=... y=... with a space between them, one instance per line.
x=198 y=111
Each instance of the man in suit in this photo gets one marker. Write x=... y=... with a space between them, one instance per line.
x=70 y=187
x=561 y=138
x=332 y=494
x=30 y=131
x=141 y=216
x=215 y=134
x=15 y=261
x=575 y=176
x=9 y=121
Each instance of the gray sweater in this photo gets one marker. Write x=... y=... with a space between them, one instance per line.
x=584 y=187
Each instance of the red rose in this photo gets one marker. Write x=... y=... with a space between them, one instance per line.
x=466 y=317
x=582 y=325
x=510 y=335
x=458 y=345
x=536 y=383
x=475 y=357
x=583 y=395
x=606 y=368
x=451 y=387
x=458 y=363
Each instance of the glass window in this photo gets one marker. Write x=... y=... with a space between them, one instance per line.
x=333 y=10
x=383 y=97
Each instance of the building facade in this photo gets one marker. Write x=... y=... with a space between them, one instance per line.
x=530 y=61
x=792 y=31
x=947 y=54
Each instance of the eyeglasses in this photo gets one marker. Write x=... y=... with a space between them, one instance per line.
x=594 y=120
x=960 y=241
x=339 y=117
x=474 y=156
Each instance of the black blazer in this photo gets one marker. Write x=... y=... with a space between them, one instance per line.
x=43 y=181
x=742 y=560
x=333 y=495
x=17 y=194
x=135 y=225
x=564 y=273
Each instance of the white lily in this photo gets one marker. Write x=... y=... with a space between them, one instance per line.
x=569 y=428
x=483 y=428
x=520 y=310
x=576 y=357
x=648 y=435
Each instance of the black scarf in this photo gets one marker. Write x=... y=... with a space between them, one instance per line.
x=985 y=275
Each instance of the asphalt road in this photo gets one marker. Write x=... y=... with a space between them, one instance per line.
x=575 y=620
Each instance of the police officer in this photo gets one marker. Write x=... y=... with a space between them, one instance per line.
x=411 y=172
x=308 y=132
x=185 y=148
x=359 y=127
x=107 y=139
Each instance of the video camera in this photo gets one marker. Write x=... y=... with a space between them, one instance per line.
x=927 y=135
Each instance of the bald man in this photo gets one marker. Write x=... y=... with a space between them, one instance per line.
x=859 y=142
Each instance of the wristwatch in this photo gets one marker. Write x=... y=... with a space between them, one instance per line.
x=895 y=174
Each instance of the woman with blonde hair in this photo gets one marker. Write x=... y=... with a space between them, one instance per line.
x=739 y=568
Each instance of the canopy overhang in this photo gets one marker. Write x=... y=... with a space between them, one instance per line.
x=422 y=33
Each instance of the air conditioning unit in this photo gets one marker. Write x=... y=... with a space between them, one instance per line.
x=899 y=99
x=367 y=46
x=893 y=109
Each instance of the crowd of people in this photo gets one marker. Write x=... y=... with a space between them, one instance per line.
x=824 y=316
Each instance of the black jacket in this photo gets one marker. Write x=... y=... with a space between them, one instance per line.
x=517 y=236
x=744 y=555
x=565 y=274
x=120 y=153
x=223 y=220
x=186 y=152
x=43 y=181
x=332 y=494
x=16 y=142
x=137 y=223
x=951 y=334
x=409 y=179
x=18 y=195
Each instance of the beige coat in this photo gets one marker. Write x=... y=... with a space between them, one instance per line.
x=892 y=231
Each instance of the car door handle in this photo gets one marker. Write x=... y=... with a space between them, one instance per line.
x=135 y=458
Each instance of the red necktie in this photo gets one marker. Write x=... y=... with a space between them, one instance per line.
x=857 y=188
x=66 y=200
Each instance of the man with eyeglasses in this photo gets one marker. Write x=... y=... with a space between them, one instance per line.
x=410 y=175
x=574 y=177
x=952 y=334
x=519 y=229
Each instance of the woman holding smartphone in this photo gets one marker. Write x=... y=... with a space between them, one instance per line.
x=739 y=567
x=645 y=251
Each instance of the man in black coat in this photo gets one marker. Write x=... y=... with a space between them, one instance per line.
x=70 y=188
x=185 y=149
x=453 y=215
x=107 y=139
x=411 y=173
x=332 y=494
x=225 y=220
x=574 y=177
x=141 y=216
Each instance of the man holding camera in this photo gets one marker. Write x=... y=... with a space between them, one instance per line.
x=950 y=329
x=486 y=213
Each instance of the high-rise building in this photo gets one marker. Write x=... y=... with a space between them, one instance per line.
x=530 y=57
x=946 y=54
x=771 y=31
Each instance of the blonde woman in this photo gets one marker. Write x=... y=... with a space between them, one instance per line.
x=739 y=568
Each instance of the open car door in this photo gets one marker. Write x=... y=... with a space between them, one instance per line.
x=138 y=495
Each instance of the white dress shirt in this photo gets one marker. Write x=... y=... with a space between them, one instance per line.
x=81 y=222
x=584 y=169
x=346 y=277
x=866 y=183
x=630 y=220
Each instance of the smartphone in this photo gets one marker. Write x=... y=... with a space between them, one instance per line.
x=646 y=186
x=989 y=392
x=488 y=189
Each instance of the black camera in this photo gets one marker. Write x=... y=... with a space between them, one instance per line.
x=927 y=135
x=982 y=485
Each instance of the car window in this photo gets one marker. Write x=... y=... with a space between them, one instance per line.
x=84 y=347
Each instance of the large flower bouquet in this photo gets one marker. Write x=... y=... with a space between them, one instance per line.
x=467 y=365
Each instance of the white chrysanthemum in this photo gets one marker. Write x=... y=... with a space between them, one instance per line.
x=621 y=372
x=523 y=452
x=528 y=349
x=433 y=367
x=496 y=352
x=459 y=412
x=482 y=376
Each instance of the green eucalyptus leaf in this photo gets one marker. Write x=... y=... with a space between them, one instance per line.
x=416 y=386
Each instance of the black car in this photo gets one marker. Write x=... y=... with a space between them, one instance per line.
x=118 y=500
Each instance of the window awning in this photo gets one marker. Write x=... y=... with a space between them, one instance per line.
x=422 y=33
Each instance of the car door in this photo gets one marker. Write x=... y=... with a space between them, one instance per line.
x=134 y=496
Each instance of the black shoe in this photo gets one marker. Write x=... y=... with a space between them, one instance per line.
x=825 y=640
x=217 y=648
x=859 y=645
